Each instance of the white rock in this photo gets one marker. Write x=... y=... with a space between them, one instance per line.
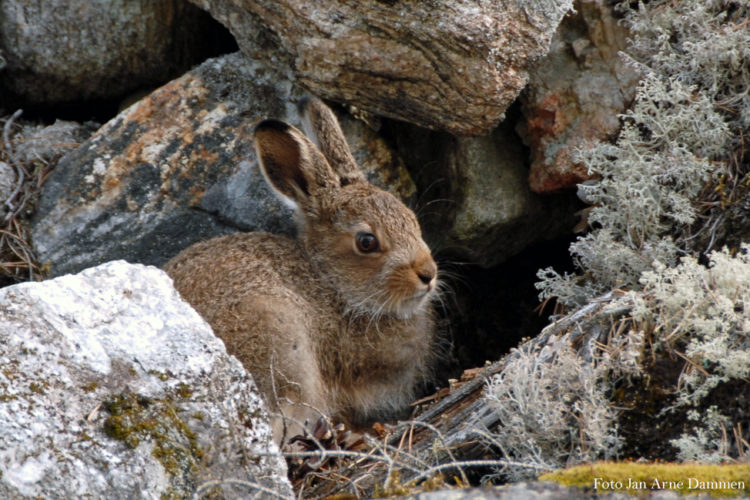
x=112 y=387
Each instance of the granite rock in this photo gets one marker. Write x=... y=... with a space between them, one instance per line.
x=113 y=387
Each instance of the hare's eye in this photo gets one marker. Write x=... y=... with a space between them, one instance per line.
x=366 y=242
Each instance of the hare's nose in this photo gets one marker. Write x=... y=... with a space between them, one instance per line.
x=426 y=276
x=425 y=268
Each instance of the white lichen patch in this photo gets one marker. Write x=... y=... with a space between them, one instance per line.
x=686 y=125
x=211 y=119
x=553 y=410
x=24 y=474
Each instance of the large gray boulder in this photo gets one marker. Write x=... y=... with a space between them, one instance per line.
x=453 y=66
x=113 y=387
x=496 y=214
x=58 y=51
x=178 y=167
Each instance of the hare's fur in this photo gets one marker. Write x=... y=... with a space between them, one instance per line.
x=322 y=324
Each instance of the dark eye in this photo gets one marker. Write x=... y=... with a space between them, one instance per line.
x=366 y=242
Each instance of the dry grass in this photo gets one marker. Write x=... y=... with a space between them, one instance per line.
x=17 y=259
x=28 y=152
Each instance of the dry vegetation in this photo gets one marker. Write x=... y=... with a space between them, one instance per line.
x=28 y=153
x=17 y=259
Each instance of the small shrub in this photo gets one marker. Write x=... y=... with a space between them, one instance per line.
x=553 y=411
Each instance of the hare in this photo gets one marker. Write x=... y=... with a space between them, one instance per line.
x=339 y=320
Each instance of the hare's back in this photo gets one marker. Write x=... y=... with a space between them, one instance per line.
x=253 y=289
x=227 y=268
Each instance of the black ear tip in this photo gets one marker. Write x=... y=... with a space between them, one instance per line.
x=271 y=124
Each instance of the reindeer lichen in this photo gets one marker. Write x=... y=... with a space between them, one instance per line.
x=684 y=133
x=666 y=193
x=553 y=411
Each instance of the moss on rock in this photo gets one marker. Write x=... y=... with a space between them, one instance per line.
x=135 y=418
x=638 y=479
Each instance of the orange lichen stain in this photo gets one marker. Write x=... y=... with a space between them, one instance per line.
x=549 y=181
x=140 y=111
x=111 y=185
x=164 y=115
x=196 y=195
x=544 y=117
x=201 y=154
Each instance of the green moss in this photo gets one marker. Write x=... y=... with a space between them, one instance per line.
x=638 y=479
x=4 y=398
x=134 y=418
x=160 y=375
x=36 y=388
x=170 y=495
x=183 y=390
x=395 y=486
x=91 y=387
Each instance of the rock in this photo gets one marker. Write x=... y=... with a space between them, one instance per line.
x=476 y=204
x=60 y=51
x=517 y=491
x=498 y=215
x=576 y=94
x=454 y=66
x=48 y=143
x=177 y=167
x=113 y=387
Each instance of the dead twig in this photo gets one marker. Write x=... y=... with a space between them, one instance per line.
x=20 y=171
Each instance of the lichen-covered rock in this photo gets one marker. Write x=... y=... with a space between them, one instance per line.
x=576 y=94
x=177 y=167
x=113 y=387
x=59 y=51
x=454 y=66
x=519 y=491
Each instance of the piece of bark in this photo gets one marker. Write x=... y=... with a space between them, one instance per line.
x=453 y=66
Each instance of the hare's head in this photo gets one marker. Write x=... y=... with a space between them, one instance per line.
x=363 y=240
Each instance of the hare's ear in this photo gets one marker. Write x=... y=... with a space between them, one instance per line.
x=323 y=128
x=291 y=163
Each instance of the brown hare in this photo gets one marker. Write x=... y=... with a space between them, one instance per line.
x=338 y=320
